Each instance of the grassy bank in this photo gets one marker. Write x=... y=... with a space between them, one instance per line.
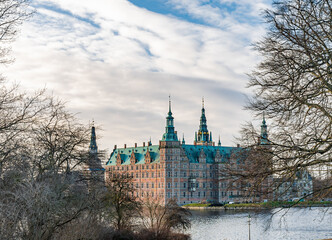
x=197 y=205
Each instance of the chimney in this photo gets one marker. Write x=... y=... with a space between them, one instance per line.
x=213 y=144
x=135 y=145
x=125 y=146
x=195 y=143
x=143 y=144
x=238 y=145
x=114 y=147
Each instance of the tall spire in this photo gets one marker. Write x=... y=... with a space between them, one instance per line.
x=169 y=105
x=93 y=149
x=170 y=134
x=263 y=138
x=202 y=125
x=203 y=133
x=219 y=143
x=183 y=142
x=94 y=168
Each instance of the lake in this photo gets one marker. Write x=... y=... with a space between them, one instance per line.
x=287 y=223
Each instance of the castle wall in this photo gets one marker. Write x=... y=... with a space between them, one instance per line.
x=175 y=176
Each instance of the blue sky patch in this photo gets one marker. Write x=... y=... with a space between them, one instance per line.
x=241 y=12
x=164 y=8
x=55 y=8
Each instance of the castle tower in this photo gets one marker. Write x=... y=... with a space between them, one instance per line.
x=264 y=136
x=94 y=168
x=169 y=147
x=203 y=137
x=170 y=134
x=93 y=149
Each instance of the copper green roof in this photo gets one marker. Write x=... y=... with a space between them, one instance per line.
x=192 y=151
x=139 y=152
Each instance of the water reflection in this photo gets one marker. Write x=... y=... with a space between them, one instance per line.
x=294 y=223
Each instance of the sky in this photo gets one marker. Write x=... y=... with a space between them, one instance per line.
x=117 y=61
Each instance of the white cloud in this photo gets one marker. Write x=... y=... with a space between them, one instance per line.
x=121 y=72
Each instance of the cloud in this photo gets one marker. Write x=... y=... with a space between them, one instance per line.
x=117 y=63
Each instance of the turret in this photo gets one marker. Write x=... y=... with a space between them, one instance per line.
x=93 y=149
x=94 y=169
x=264 y=136
x=203 y=137
x=170 y=134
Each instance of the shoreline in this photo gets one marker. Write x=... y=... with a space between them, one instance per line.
x=225 y=208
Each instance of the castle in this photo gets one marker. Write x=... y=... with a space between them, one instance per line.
x=188 y=173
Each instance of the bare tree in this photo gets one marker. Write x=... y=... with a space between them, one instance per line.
x=18 y=112
x=121 y=206
x=37 y=132
x=43 y=149
x=248 y=174
x=17 y=109
x=160 y=221
x=58 y=142
x=12 y=14
x=293 y=85
x=42 y=187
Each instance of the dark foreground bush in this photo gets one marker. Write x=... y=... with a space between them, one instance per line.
x=180 y=236
x=216 y=204
x=120 y=235
x=151 y=235
x=143 y=235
